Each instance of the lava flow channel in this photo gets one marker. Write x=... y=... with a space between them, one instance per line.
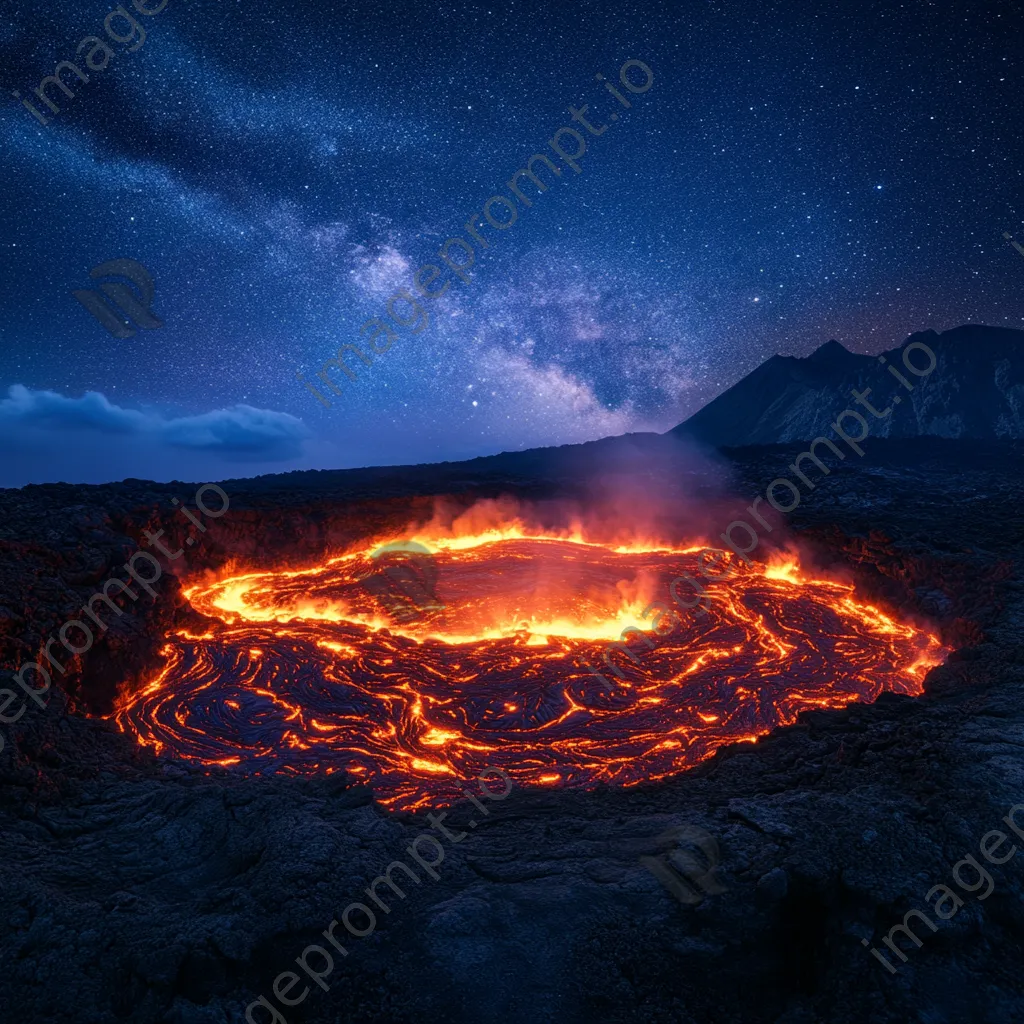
x=303 y=671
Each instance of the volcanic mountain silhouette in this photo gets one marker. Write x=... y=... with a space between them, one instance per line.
x=975 y=391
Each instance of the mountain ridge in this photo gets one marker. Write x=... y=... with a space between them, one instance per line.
x=976 y=390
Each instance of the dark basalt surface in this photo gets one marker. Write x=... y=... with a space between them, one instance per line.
x=137 y=889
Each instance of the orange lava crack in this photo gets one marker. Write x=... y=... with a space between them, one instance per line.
x=304 y=670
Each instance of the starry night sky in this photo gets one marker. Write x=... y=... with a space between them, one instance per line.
x=794 y=173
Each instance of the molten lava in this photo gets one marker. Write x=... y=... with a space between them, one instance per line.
x=310 y=671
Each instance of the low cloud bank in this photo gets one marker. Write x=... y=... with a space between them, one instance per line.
x=239 y=433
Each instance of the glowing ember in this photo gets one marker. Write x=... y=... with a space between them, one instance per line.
x=302 y=671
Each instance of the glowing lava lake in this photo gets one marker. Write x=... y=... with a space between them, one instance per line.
x=306 y=671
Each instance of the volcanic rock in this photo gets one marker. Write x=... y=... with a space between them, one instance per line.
x=141 y=889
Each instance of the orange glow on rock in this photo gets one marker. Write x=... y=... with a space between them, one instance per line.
x=303 y=670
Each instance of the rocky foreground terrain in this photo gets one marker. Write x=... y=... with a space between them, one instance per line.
x=139 y=889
